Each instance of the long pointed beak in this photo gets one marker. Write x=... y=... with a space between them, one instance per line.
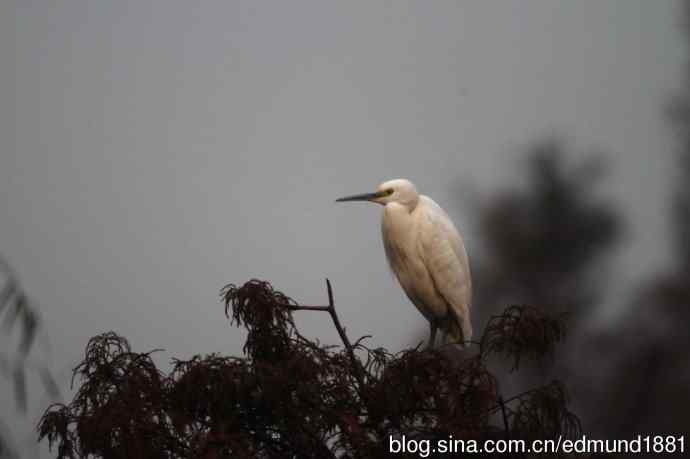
x=361 y=197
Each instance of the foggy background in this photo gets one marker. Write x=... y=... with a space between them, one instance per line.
x=153 y=151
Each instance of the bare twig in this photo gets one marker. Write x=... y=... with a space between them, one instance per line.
x=356 y=365
x=361 y=338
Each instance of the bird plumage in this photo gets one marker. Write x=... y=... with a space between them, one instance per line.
x=426 y=253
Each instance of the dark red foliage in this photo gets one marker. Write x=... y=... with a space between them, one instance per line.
x=290 y=397
x=522 y=330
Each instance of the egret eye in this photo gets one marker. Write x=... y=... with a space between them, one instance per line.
x=389 y=191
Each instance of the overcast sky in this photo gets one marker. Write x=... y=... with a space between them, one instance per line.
x=155 y=150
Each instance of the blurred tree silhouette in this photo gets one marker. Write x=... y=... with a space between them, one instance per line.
x=290 y=397
x=647 y=357
x=547 y=244
x=18 y=314
x=544 y=245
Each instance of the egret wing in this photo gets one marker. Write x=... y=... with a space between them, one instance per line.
x=444 y=256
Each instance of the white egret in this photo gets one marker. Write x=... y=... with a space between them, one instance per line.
x=427 y=255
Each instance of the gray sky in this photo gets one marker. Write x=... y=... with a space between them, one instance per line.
x=155 y=150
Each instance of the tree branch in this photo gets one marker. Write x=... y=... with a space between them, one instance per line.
x=341 y=331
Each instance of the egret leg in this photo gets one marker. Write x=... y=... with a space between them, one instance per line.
x=432 y=335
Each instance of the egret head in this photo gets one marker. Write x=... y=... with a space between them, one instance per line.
x=401 y=191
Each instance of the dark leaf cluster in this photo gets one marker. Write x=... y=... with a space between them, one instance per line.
x=543 y=413
x=291 y=397
x=522 y=331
